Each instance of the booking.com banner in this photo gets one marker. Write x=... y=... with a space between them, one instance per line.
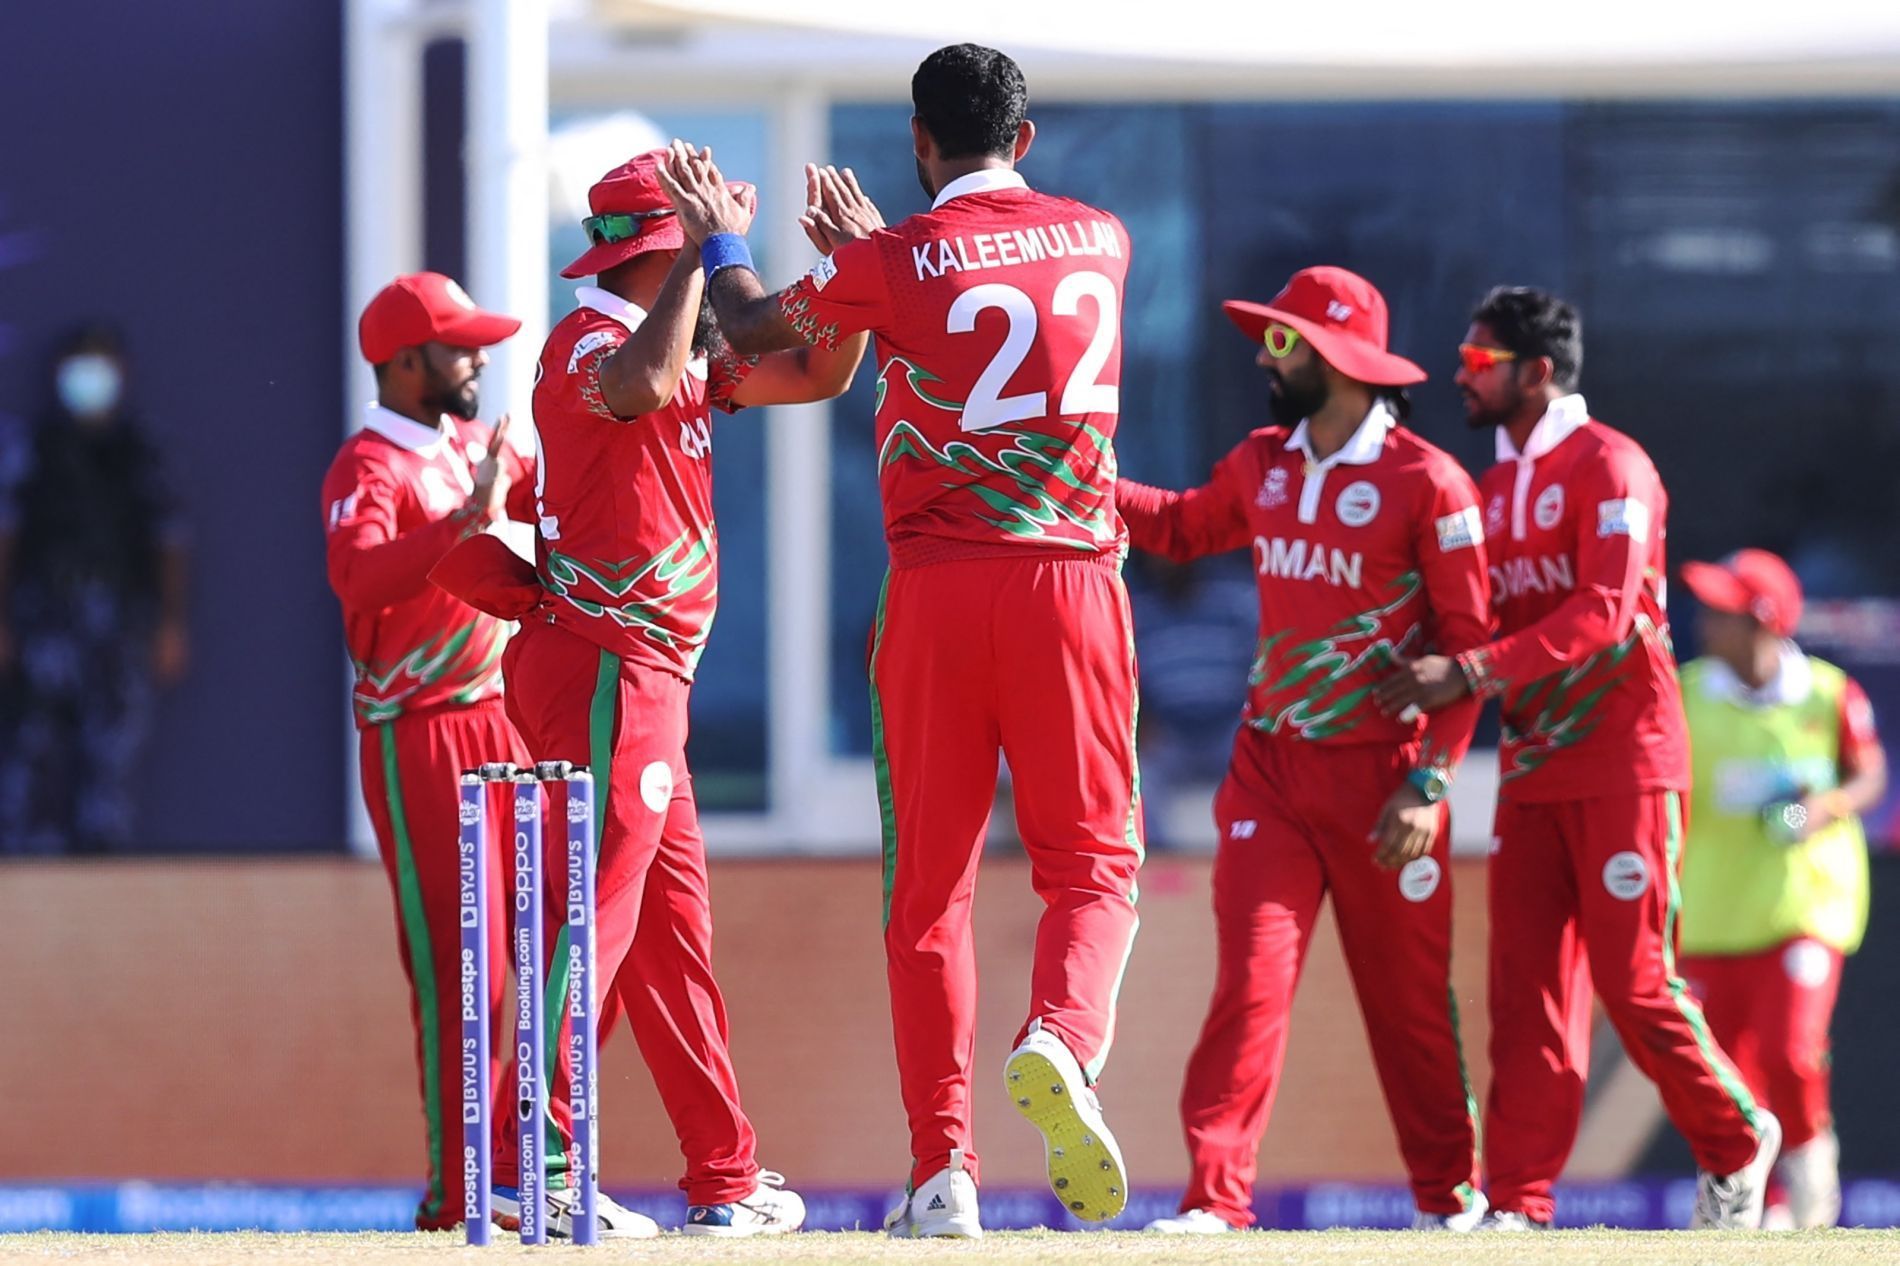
x=1654 y=1204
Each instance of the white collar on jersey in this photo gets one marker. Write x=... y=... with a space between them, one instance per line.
x=1792 y=683
x=1561 y=420
x=627 y=313
x=404 y=432
x=1362 y=449
x=983 y=180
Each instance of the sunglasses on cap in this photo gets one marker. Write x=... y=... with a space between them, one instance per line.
x=621 y=226
x=1280 y=340
x=1478 y=359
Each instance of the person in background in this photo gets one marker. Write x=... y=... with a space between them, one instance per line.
x=1774 y=873
x=92 y=606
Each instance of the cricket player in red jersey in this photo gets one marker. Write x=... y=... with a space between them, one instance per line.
x=1368 y=546
x=1595 y=763
x=1003 y=623
x=613 y=625
x=420 y=476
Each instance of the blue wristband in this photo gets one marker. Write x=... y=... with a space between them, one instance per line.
x=724 y=250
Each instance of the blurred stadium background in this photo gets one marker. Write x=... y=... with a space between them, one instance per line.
x=210 y=1031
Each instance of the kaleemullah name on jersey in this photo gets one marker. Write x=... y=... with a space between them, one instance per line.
x=1014 y=246
x=1307 y=560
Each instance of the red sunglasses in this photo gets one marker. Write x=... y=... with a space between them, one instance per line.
x=1478 y=359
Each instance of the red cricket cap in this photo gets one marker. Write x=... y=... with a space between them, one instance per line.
x=1749 y=582
x=419 y=308
x=1342 y=315
x=634 y=188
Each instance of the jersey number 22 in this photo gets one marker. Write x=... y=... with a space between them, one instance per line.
x=988 y=406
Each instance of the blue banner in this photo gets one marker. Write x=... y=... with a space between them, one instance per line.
x=137 y=1207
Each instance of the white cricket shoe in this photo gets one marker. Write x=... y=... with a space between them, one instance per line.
x=769 y=1210
x=617 y=1222
x=1510 y=1221
x=1729 y=1202
x=1046 y=1084
x=1466 y=1221
x=1192 y=1222
x=943 y=1208
x=1813 y=1175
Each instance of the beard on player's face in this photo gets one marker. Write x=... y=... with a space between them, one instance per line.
x=1295 y=397
x=923 y=178
x=461 y=400
x=1494 y=408
x=708 y=339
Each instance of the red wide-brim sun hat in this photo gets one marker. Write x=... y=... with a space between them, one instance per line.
x=663 y=234
x=634 y=188
x=1351 y=355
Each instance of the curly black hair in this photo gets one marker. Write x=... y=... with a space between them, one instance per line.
x=971 y=100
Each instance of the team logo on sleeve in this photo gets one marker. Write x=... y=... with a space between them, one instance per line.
x=1273 y=490
x=1460 y=531
x=341 y=509
x=1549 y=509
x=1358 y=504
x=1624 y=516
x=822 y=272
x=585 y=344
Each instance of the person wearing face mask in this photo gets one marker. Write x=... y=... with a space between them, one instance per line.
x=1367 y=545
x=92 y=607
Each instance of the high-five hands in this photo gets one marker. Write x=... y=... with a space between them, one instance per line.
x=836 y=209
x=706 y=204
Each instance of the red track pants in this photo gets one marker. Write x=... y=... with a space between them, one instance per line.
x=1034 y=658
x=576 y=702
x=409 y=768
x=1294 y=817
x=1585 y=891
x=1771 y=1011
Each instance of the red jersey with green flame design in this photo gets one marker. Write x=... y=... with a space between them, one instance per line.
x=627 y=544
x=997 y=316
x=1375 y=553
x=389 y=513
x=1583 y=664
